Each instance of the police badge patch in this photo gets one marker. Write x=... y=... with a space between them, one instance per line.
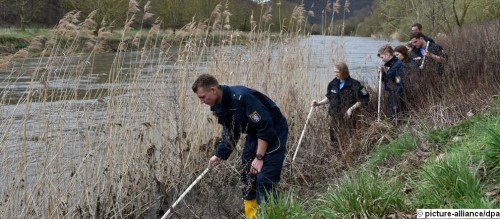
x=255 y=117
x=363 y=91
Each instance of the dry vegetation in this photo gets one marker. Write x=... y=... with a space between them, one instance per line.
x=129 y=148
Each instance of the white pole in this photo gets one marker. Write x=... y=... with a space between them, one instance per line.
x=185 y=192
x=379 y=90
x=302 y=135
x=423 y=59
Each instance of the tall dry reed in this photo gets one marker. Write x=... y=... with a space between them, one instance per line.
x=128 y=147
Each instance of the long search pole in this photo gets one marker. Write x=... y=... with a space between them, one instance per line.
x=379 y=90
x=302 y=135
x=423 y=59
x=185 y=192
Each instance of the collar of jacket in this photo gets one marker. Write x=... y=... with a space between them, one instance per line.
x=347 y=81
x=226 y=99
x=391 y=62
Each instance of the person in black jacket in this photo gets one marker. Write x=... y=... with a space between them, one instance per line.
x=344 y=95
x=410 y=65
x=239 y=110
x=435 y=56
x=413 y=80
x=393 y=78
x=417 y=28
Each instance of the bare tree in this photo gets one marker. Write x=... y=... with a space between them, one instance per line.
x=26 y=10
x=465 y=7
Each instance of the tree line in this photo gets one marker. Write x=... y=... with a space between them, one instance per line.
x=394 y=16
x=334 y=17
x=173 y=13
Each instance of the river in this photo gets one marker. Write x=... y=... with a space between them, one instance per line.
x=71 y=122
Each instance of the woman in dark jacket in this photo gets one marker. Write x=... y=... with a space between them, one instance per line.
x=409 y=64
x=344 y=95
x=413 y=79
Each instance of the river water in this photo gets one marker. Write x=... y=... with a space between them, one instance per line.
x=59 y=126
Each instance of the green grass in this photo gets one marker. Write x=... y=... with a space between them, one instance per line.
x=492 y=154
x=28 y=33
x=450 y=182
x=443 y=136
x=394 y=149
x=285 y=206
x=360 y=195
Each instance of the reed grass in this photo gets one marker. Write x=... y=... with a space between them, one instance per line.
x=128 y=148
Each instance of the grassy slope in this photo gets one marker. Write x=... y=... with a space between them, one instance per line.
x=459 y=171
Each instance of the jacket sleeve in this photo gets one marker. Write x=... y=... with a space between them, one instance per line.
x=227 y=144
x=363 y=95
x=260 y=118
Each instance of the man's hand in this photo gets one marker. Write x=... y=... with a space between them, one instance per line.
x=314 y=103
x=214 y=161
x=256 y=166
x=381 y=69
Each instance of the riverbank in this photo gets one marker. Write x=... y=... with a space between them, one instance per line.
x=35 y=40
x=454 y=167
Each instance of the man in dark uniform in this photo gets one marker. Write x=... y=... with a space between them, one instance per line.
x=392 y=76
x=344 y=95
x=434 y=55
x=417 y=28
x=243 y=110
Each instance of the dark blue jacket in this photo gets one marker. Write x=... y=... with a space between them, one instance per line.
x=393 y=79
x=341 y=99
x=430 y=64
x=426 y=38
x=245 y=110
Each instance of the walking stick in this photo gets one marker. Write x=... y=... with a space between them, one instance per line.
x=185 y=192
x=423 y=59
x=379 y=90
x=301 y=136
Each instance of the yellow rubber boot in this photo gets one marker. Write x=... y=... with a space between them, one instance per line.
x=250 y=208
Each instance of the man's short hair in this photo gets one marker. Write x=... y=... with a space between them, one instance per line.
x=418 y=25
x=416 y=35
x=204 y=81
x=384 y=49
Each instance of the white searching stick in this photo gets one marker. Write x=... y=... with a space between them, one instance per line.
x=185 y=192
x=302 y=135
x=423 y=59
x=379 y=90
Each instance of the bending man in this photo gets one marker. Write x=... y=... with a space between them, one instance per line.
x=239 y=110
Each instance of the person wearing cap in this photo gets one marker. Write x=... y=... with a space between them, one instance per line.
x=240 y=109
x=392 y=76
x=344 y=96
